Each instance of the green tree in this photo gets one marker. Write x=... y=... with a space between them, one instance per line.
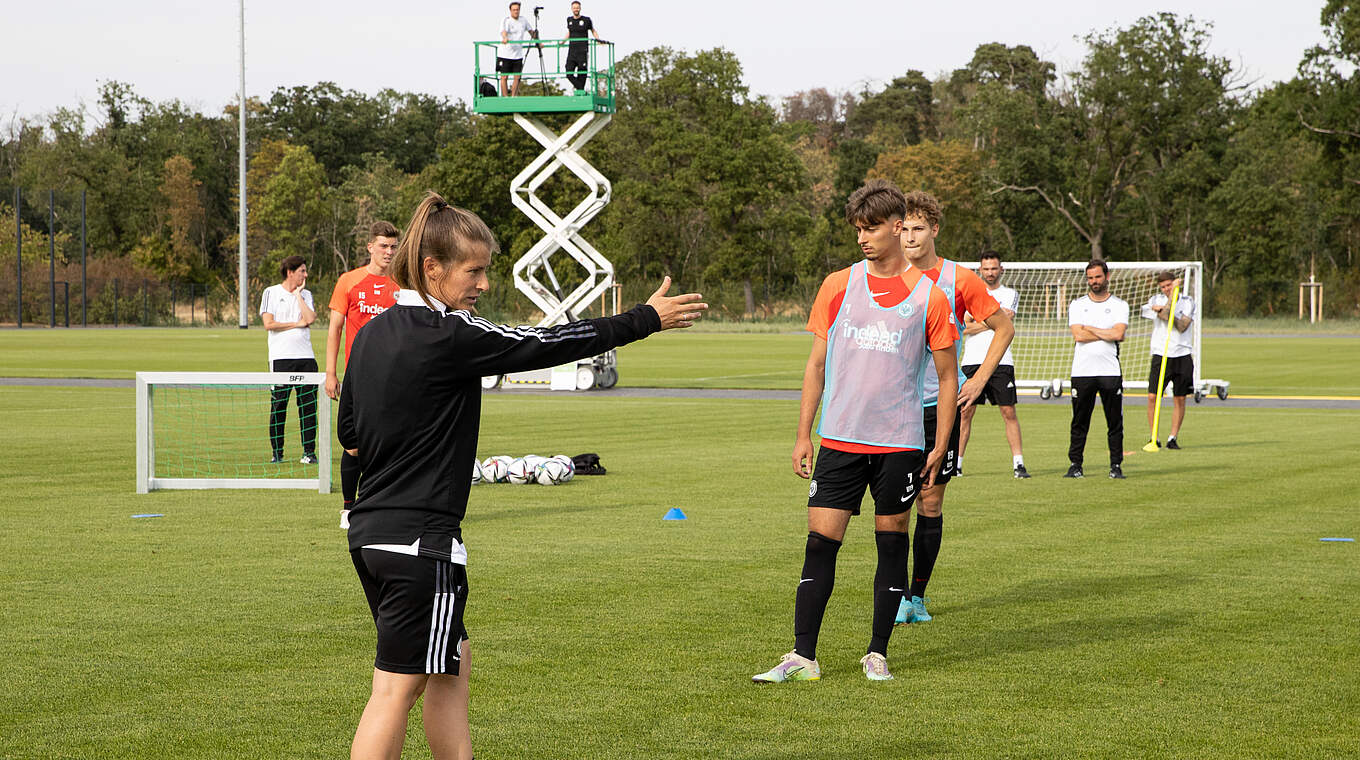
x=1144 y=96
x=292 y=210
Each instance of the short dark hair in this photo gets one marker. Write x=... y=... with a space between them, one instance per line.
x=382 y=228
x=990 y=255
x=1098 y=264
x=511 y=5
x=1165 y=275
x=291 y=264
x=877 y=202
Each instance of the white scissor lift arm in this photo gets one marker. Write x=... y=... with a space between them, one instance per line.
x=562 y=234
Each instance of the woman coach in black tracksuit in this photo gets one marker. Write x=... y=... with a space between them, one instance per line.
x=411 y=405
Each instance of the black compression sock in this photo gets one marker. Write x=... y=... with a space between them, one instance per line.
x=814 y=590
x=892 y=556
x=349 y=477
x=927 y=540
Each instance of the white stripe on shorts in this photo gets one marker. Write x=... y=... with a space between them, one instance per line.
x=441 y=620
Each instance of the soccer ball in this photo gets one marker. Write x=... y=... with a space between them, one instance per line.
x=496 y=469
x=534 y=460
x=570 y=465
x=520 y=472
x=476 y=472
x=552 y=472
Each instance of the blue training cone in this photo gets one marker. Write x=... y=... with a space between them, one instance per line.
x=674 y=513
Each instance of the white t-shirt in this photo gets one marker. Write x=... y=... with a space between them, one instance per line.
x=1098 y=358
x=1181 y=342
x=515 y=29
x=975 y=346
x=295 y=343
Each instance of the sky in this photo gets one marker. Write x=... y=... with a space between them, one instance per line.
x=174 y=49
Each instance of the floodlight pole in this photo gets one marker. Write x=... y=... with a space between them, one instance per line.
x=241 y=283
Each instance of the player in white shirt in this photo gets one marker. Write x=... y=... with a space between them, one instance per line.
x=510 y=54
x=286 y=311
x=1180 y=364
x=1000 y=388
x=1098 y=321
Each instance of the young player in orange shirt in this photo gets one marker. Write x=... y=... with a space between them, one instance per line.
x=877 y=325
x=360 y=295
x=966 y=293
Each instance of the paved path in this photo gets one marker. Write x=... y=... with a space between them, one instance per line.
x=1130 y=399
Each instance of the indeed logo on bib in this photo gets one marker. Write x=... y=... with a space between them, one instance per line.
x=373 y=309
x=873 y=337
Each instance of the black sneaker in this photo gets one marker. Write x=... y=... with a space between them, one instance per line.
x=1074 y=472
x=308 y=458
x=958 y=471
x=1171 y=443
x=1021 y=472
x=278 y=459
x=1116 y=472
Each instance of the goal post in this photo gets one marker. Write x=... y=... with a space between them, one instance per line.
x=201 y=430
x=1043 y=343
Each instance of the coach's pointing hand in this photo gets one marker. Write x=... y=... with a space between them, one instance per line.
x=676 y=311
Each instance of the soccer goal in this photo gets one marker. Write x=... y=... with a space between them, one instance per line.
x=1043 y=342
x=219 y=430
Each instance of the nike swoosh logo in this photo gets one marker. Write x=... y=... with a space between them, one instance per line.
x=898 y=590
x=908 y=496
x=879 y=295
x=805 y=580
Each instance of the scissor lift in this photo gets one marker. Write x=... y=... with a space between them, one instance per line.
x=534 y=275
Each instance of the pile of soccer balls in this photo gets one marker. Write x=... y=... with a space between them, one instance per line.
x=530 y=468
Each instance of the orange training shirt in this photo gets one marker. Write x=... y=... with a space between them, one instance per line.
x=361 y=296
x=888 y=292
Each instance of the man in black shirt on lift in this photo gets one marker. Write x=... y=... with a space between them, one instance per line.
x=578 y=53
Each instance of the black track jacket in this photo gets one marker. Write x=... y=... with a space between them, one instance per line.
x=411 y=404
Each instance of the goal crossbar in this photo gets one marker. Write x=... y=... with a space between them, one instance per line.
x=149 y=382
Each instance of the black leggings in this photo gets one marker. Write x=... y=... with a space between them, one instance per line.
x=1084 y=391
x=306 y=402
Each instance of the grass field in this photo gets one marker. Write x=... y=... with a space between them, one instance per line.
x=1253 y=363
x=1190 y=611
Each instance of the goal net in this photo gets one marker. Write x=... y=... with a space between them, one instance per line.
x=1043 y=341
x=226 y=429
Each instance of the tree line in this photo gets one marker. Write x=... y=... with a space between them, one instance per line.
x=1154 y=149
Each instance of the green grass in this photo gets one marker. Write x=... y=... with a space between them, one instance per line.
x=1325 y=365
x=1189 y=611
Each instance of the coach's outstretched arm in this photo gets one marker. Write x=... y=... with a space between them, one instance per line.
x=486 y=348
x=1000 y=322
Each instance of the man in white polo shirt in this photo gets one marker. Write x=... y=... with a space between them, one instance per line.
x=510 y=54
x=1098 y=321
x=286 y=311
x=1000 y=388
x=1180 y=365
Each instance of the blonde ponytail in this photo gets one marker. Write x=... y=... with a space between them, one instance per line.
x=438 y=231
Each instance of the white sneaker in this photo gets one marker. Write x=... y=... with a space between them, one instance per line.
x=793 y=667
x=875 y=667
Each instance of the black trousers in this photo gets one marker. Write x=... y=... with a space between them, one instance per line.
x=306 y=402
x=577 y=58
x=1084 y=391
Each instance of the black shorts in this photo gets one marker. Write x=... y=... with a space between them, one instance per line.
x=417 y=605
x=1180 y=372
x=839 y=478
x=509 y=65
x=1000 y=387
x=951 y=457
